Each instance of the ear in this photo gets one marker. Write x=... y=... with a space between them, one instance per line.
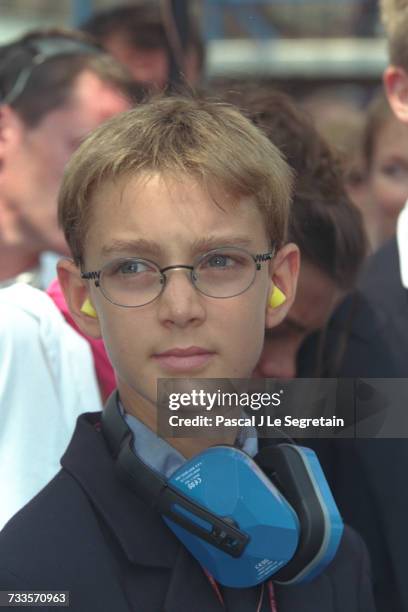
x=284 y=275
x=76 y=291
x=11 y=130
x=396 y=86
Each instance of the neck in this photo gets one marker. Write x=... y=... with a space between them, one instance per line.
x=387 y=227
x=14 y=261
x=16 y=255
x=146 y=412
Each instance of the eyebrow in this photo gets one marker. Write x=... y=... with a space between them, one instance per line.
x=206 y=243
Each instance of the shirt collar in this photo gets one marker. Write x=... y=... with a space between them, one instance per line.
x=164 y=458
x=402 y=241
x=153 y=450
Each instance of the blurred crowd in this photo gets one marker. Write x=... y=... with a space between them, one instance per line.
x=349 y=318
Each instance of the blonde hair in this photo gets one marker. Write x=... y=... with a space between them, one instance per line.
x=394 y=16
x=209 y=141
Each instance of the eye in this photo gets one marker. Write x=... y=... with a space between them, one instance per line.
x=396 y=171
x=129 y=267
x=132 y=266
x=219 y=261
x=222 y=260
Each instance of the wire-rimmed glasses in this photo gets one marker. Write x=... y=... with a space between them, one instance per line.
x=132 y=282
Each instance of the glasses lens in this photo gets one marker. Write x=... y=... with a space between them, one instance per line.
x=131 y=282
x=224 y=272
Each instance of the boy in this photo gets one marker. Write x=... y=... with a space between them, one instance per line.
x=155 y=206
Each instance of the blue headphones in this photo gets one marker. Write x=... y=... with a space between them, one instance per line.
x=244 y=520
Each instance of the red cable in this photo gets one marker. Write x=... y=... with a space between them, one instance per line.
x=271 y=592
x=272 y=598
x=215 y=587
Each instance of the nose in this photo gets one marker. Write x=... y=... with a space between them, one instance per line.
x=180 y=303
x=277 y=360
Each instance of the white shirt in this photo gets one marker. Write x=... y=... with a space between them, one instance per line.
x=47 y=379
x=402 y=241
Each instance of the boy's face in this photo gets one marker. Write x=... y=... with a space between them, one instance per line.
x=181 y=222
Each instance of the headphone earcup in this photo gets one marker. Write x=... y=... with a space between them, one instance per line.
x=231 y=485
x=297 y=473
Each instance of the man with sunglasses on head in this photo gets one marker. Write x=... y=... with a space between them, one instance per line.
x=55 y=88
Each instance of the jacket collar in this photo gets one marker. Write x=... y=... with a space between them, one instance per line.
x=146 y=541
x=141 y=532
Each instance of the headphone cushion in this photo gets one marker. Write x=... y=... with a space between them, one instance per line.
x=296 y=472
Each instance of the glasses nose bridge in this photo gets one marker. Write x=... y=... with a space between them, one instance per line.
x=164 y=271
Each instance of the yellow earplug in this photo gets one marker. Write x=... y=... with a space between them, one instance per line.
x=277 y=298
x=88 y=309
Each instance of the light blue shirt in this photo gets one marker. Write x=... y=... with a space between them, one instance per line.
x=164 y=458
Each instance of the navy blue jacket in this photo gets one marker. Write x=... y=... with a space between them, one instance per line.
x=86 y=532
x=368 y=337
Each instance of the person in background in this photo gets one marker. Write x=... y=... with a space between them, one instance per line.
x=138 y=36
x=55 y=87
x=47 y=380
x=384 y=285
x=385 y=154
x=333 y=330
x=337 y=114
x=324 y=223
x=384 y=281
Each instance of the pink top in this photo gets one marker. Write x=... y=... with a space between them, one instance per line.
x=103 y=368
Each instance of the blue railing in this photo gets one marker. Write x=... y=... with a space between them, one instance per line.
x=250 y=18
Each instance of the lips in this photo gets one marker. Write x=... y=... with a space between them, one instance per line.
x=184 y=359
